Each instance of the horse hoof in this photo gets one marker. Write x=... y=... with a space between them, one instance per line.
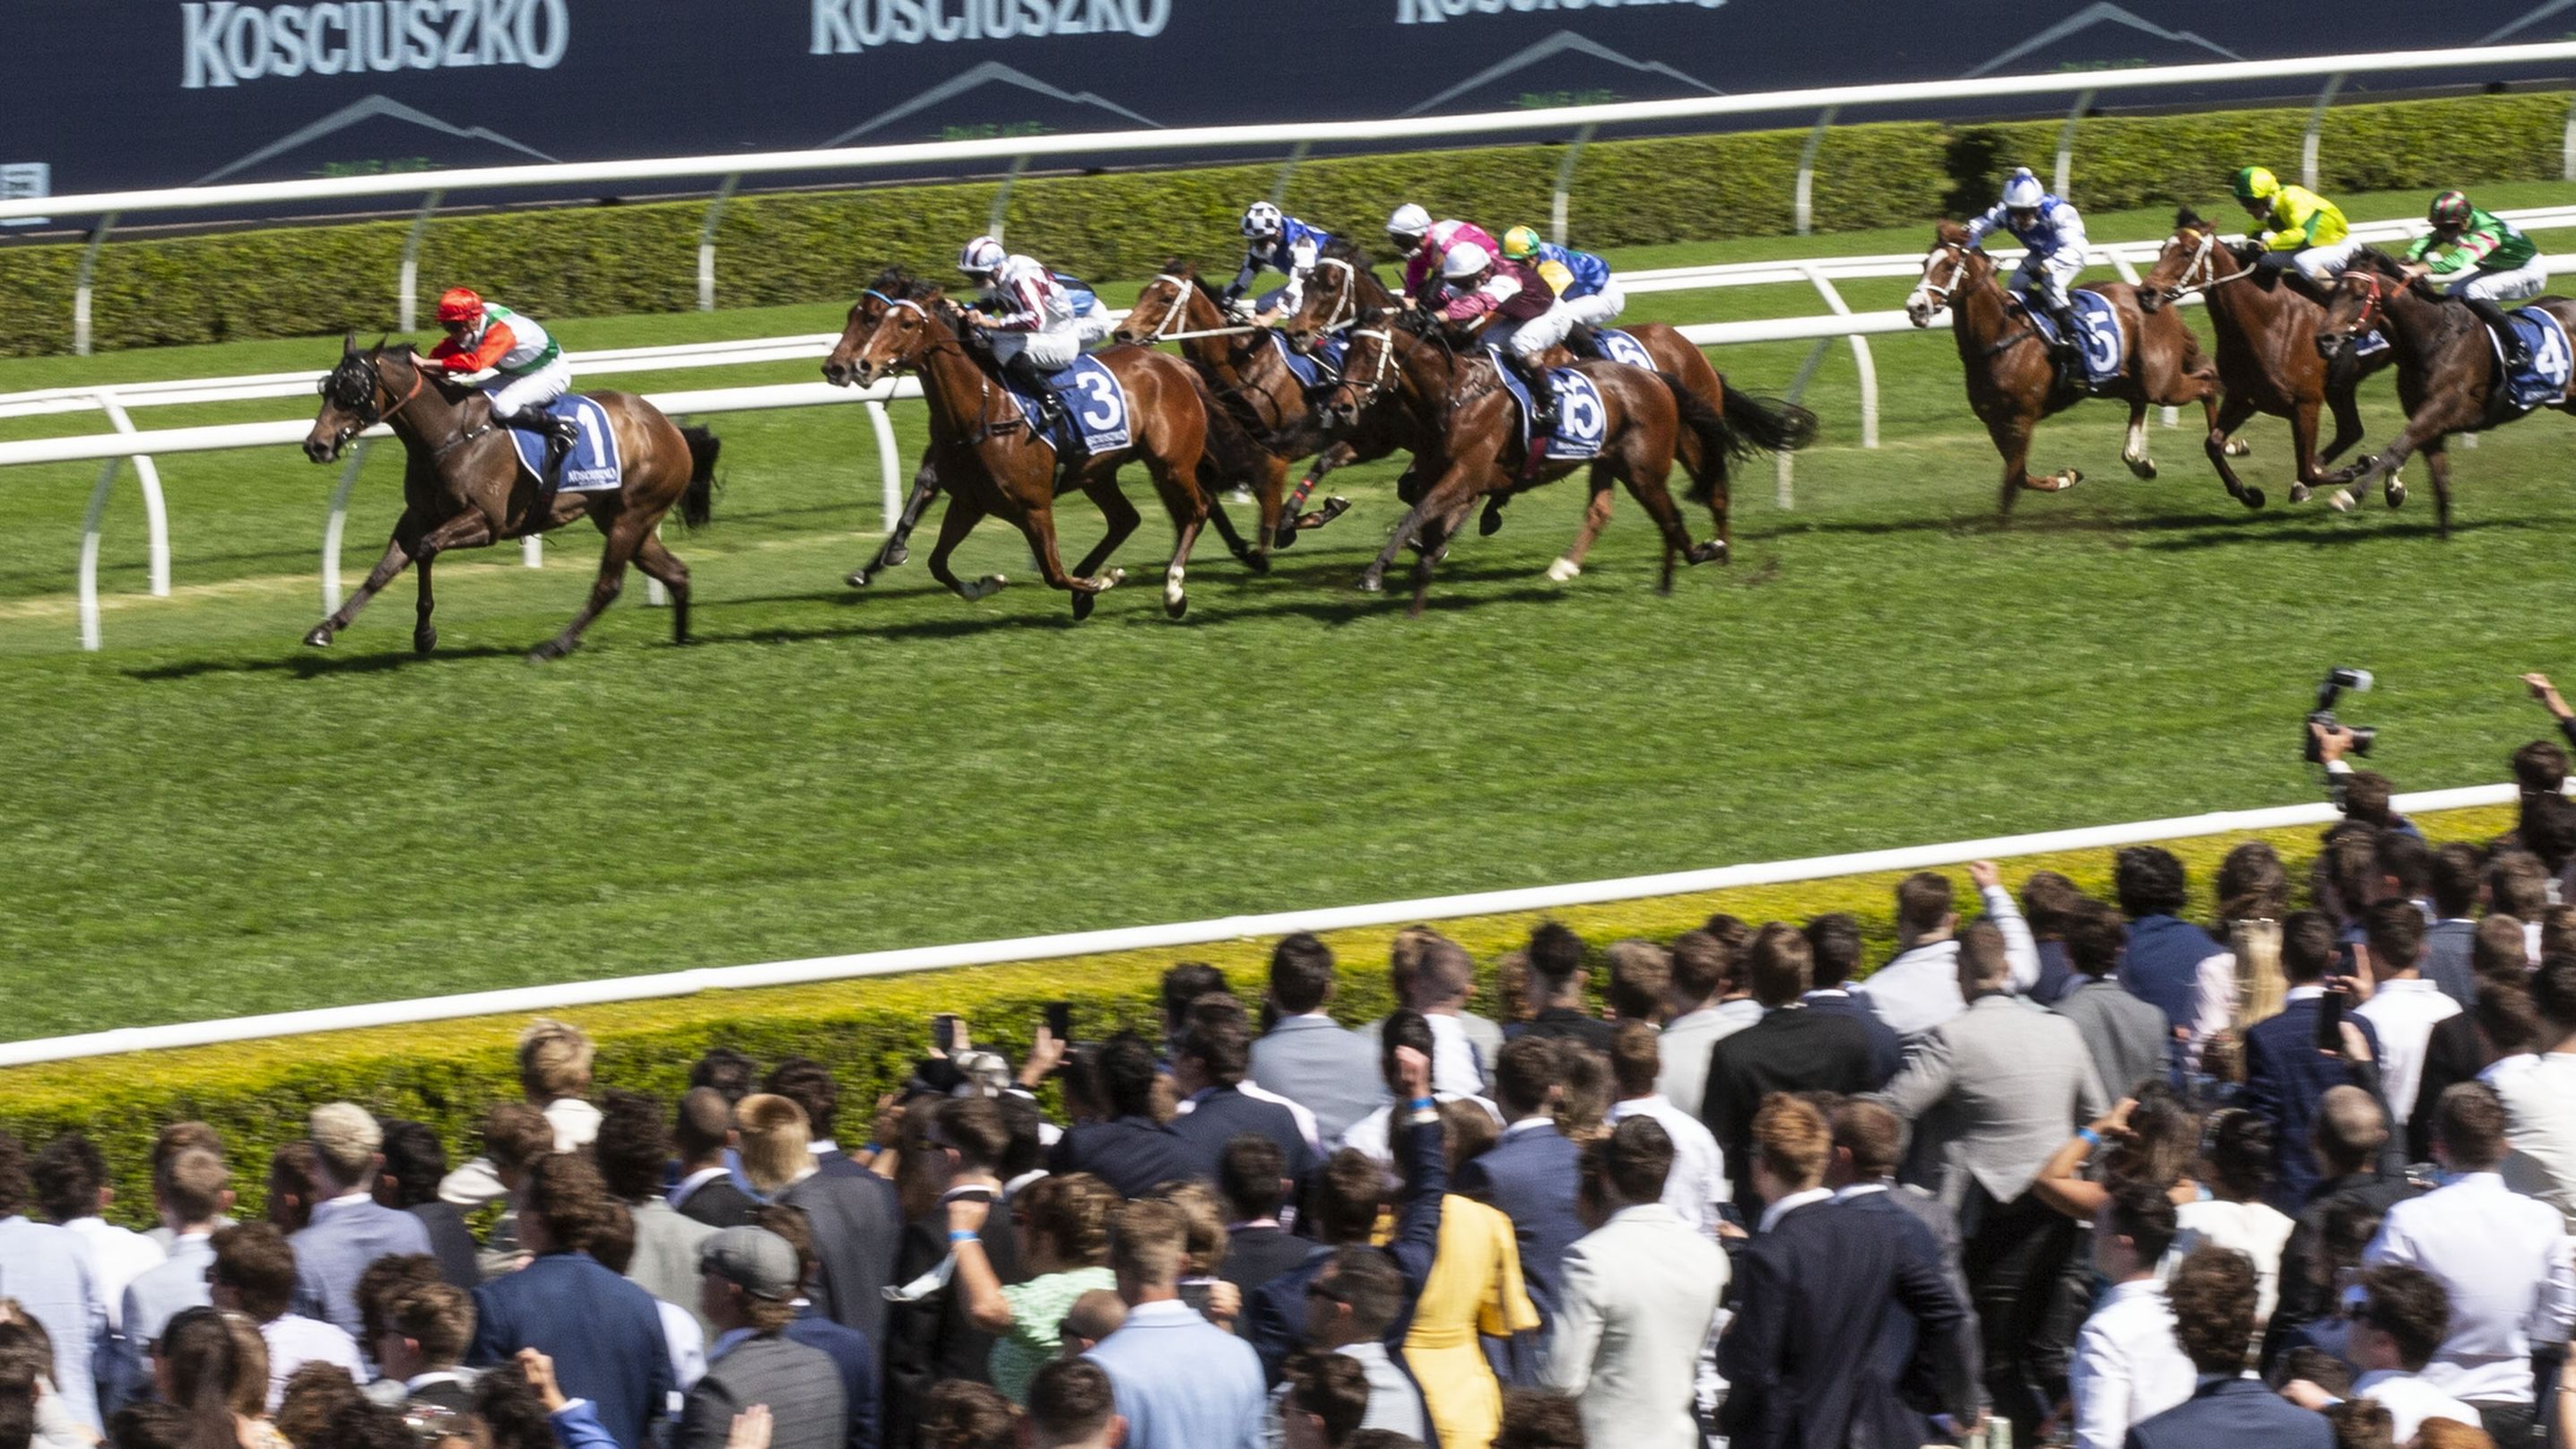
x=1083 y=604
x=319 y=637
x=423 y=640
x=893 y=554
x=2341 y=502
x=1175 y=603
x=1371 y=583
x=1491 y=522
x=1286 y=537
x=2142 y=468
x=2300 y=493
x=2395 y=493
x=2238 y=448
x=1564 y=570
x=1256 y=560
x=1713 y=551
x=2253 y=497
x=549 y=651
x=857 y=578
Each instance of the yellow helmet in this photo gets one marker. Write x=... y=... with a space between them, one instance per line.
x=2256 y=184
x=1520 y=243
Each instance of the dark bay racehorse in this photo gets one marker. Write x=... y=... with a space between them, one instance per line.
x=2012 y=379
x=463 y=486
x=988 y=462
x=2448 y=378
x=1481 y=450
x=2267 y=350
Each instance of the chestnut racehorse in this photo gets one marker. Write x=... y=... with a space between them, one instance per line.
x=2012 y=379
x=2267 y=350
x=2448 y=377
x=463 y=486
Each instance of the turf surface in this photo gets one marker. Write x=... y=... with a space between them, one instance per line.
x=208 y=819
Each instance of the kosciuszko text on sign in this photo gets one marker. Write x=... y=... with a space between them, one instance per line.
x=227 y=44
x=852 y=27
x=1430 y=12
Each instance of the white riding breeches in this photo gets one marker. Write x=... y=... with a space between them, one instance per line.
x=1599 y=309
x=2325 y=263
x=2523 y=281
x=1093 y=326
x=2049 y=276
x=1053 y=350
x=1284 y=298
x=1526 y=340
x=511 y=395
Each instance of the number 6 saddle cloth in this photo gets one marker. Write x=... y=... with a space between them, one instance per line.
x=1582 y=424
x=1095 y=406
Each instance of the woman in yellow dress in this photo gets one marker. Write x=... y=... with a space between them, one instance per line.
x=1474 y=1289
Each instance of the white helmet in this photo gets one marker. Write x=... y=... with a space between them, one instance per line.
x=2022 y=192
x=982 y=256
x=1409 y=221
x=1465 y=260
x=1260 y=220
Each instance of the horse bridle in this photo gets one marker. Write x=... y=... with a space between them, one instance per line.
x=367 y=416
x=1346 y=309
x=1940 y=293
x=2375 y=308
x=2203 y=258
x=1376 y=384
x=1178 y=308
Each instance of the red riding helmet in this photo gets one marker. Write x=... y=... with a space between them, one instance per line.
x=2450 y=211
x=459 y=304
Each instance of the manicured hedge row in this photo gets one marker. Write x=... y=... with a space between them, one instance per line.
x=447 y=1073
x=607 y=260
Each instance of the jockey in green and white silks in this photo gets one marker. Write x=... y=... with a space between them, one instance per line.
x=2481 y=259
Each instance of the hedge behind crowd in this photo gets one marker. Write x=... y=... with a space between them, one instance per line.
x=794 y=248
x=871 y=1031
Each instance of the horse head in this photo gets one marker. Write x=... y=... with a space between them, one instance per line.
x=355 y=398
x=1368 y=366
x=1163 y=307
x=2359 y=303
x=905 y=328
x=1331 y=299
x=890 y=285
x=1949 y=268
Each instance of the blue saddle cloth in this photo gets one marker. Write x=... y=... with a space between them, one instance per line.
x=1618 y=346
x=2099 y=337
x=592 y=466
x=1310 y=374
x=1582 y=423
x=1095 y=407
x=2543 y=380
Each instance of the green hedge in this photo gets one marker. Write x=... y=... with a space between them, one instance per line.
x=447 y=1073
x=607 y=260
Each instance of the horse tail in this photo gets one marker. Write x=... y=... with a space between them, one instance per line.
x=1233 y=454
x=698 y=501
x=1734 y=431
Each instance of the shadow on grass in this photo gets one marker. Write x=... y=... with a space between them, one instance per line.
x=317 y=664
x=2274 y=524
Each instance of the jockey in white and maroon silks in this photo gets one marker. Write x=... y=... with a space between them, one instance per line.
x=1426 y=243
x=1526 y=319
x=1027 y=317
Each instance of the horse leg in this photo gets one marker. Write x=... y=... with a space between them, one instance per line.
x=1454 y=485
x=1596 y=517
x=1433 y=546
x=626 y=532
x=1293 y=522
x=1122 y=518
x=664 y=567
x=2347 y=420
x=2437 y=461
x=925 y=486
x=398 y=556
x=2224 y=419
x=963 y=514
x=2416 y=438
x=424 y=635
x=1189 y=510
x=2012 y=439
x=1037 y=525
x=1651 y=482
x=2134 y=451
x=1254 y=551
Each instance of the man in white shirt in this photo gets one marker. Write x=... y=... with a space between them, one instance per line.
x=2501 y=1257
x=1707 y=972
x=2539 y=1097
x=1697 y=1182
x=71 y=1186
x=2399 y=1324
x=2128 y=1366
x=1919 y=989
x=1402 y=1028
x=2403 y=1007
x=254 y=1274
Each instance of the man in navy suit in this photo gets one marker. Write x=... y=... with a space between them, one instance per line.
x=1533 y=1173
x=603 y=1332
x=1120 y=1143
x=1835 y=943
x=2213 y=1295
x=2166 y=953
x=1208 y=1065
x=2285 y=1073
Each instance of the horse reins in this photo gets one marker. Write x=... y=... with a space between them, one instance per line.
x=2203 y=259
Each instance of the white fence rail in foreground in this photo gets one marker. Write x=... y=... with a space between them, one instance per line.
x=1197 y=933
x=1579 y=123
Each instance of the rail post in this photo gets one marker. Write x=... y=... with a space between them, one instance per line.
x=407 y=300
x=334 y=527
x=2316 y=125
x=707 y=242
x=156 y=517
x=81 y=284
x=1805 y=216
x=1557 y=203
x=2066 y=139
x=889 y=462
x=1783 y=494
x=1861 y=359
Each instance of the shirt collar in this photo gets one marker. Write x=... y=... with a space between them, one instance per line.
x=1859 y=1189
x=340 y=1204
x=418 y=1382
x=824 y=1146
x=1529 y=1124
x=2310 y=992
x=2123 y=1292
x=1164 y=1313
x=726 y=1342
x=1787 y=1205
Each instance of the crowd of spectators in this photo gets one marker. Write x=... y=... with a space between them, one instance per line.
x=2106 y=1173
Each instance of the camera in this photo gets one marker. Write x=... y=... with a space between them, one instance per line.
x=2328 y=691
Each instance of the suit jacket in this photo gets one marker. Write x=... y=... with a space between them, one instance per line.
x=2238 y=1412
x=1942 y=1225
x=666 y=1256
x=344 y=1237
x=858 y=1226
x=1181 y=1381
x=451 y=1242
x=1639 y=1295
x=1131 y=1154
x=604 y=1334
x=801 y=1386
x=1836 y=1305
x=1886 y=1048
x=2126 y=1037
x=1274 y=1315
x=1791 y=1049
x=1532 y=1176
x=2285 y=1075
x=154 y=1298
x=2302 y=1300
x=718 y=1203
x=2446 y=960
x=1332 y=1073
x=931 y=1338
x=1221 y=1113
x=2453 y=1054
x=2057 y=975
x=1567 y=1024
x=1254 y=1256
x=850 y=1352
x=1991 y=1093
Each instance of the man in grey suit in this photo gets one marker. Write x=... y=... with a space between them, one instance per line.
x=1308 y=1058
x=192 y=1190
x=1991 y=1093
x=2125 y=1034
x=634 y=1151
x=350 y=1229
x=857 y=1221
x=2458 y=870
x=748 y=1291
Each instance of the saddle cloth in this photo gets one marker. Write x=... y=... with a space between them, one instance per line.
x=1582 y=423
x=2544 y=379
x=1619 y=347
x=592 y=466
x=1311 y=374
x=1095 y=406
x=2100 y=339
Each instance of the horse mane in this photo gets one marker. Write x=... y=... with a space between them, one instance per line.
x=1343 y=249
x=2370 y=259
x=900 y=284
x=2186 y=219
x=1182 y=267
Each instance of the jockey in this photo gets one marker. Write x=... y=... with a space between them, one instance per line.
x=1028 y=320
x=2479 y=258
x=1092 y=322
x=2300 y=228
x=1582 y=281
x=2053 y=233
x=1526 y=317
x=1427 y=243
x=1283 y=244
x=528 y=366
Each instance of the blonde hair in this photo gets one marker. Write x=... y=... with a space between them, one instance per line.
x=2260 y=985
x=1204 y=1218
x=554 y=1061
x=777 y=1145
x=1148 y=1241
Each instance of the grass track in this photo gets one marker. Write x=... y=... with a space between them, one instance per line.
x=206 y=819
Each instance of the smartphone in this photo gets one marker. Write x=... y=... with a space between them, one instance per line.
x=2330 y=1022
x=943 y=1031
x=1059 y=1020
x=1195 y=1292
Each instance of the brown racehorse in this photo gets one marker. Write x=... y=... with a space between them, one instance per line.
x=1644 y=415
x=2448 y=378
x=463 y=486
x=989 y=463
x=1343 y=286
x=2267 y=350
x=2012 y=380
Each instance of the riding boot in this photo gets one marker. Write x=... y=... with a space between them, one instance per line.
x=1023 y=372
x=1582 y=341
x=560 y=434
x=2069 y=352
x=2306 y=286
x=2516 y=355
x=1542 y=393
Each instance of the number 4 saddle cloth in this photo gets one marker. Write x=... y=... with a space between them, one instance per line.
x=2541 y=382
x=1095 y=407
x=1582 y=424
x=592 y=466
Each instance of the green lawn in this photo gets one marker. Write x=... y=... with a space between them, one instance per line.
x=209 y=819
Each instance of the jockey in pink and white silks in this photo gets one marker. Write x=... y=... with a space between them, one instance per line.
x=1026 y=317
x=2052 y=232
x=1427 y=244
x=1522 y=316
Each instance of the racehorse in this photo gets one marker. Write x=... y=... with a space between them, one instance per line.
x=2012 y=380
x=463 y=486
x=2448 y=377
x=863 y=318
x=989 y=463
x=2267 y=353
x=1343 y=286
x=1644 y=414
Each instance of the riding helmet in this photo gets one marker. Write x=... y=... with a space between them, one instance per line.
x=460 y=304
x=1465 y=260
x=1410 y=223
x=1520 y=243
x=2450 y=211
x=2022 y=190
x=2256 y=184
x=1260 y=220
x=982 y=256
